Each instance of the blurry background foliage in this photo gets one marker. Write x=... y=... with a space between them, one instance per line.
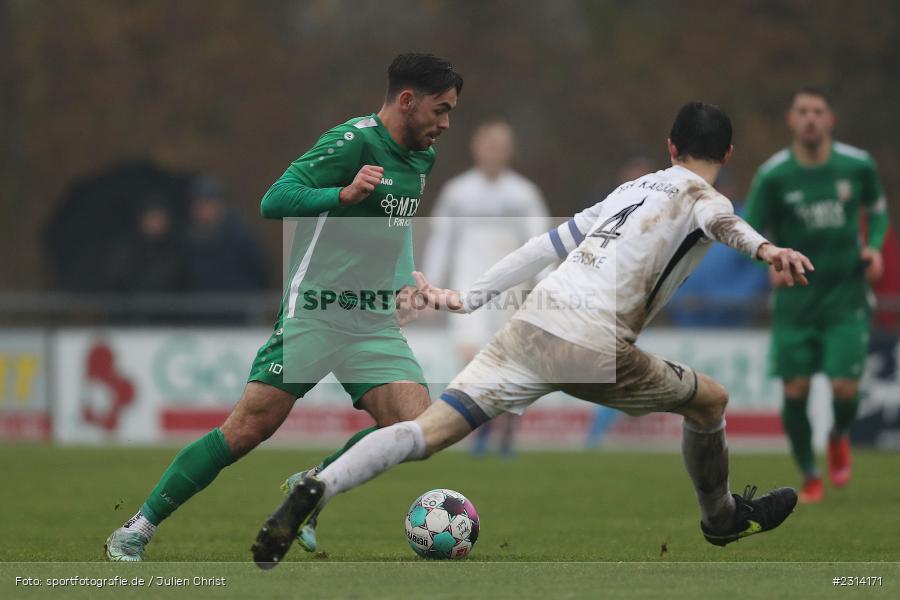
x=241 y=88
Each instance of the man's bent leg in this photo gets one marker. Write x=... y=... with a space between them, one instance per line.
x=260 y=411
x=388 y=404
x=435 y=429
x=440 y=426
x=726 y=517
x=705 y=452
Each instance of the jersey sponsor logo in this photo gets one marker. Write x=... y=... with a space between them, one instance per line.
x=828 y=214
x=387 y=181
x=609 y=230
x=399 y=210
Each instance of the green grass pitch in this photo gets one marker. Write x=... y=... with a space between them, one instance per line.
x=566 y=525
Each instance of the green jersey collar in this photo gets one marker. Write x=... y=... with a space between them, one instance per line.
x=386 y=136
x=812 y=167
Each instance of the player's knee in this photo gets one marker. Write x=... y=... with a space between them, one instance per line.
x=244 y=434
x=708 y=410
x=796 y=388
x=844 y=389
x=717 y=404
x=408 y=402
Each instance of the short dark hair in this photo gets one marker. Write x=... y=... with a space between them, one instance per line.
x=701 y=131
x=813 y=90
x=425 y=73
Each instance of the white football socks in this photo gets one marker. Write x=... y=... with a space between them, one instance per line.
x=373 y=455
x=140 y=524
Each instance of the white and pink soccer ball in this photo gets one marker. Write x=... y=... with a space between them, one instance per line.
x=442 y=524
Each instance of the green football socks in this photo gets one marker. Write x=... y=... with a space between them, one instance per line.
x=350 y=443
x=193 y=469
x=844 y=414
x=799 y=431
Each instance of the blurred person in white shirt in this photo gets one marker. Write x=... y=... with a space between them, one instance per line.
x=480 y=216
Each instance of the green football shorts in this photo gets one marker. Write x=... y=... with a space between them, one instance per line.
x=313 y=349
x=836 y=347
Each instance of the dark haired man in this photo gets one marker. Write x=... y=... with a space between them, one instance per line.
x=623 y=259
x=810 y=195
x=354 y=194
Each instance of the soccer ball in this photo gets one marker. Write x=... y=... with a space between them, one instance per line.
x=442 y=524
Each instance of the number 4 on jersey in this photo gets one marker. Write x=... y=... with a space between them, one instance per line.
x=609 y=230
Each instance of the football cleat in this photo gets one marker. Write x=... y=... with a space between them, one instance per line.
x=125 y=545
x=839 y=460
x=307 y=536
x=754 y=516
x=278 y=532
x=813 y=490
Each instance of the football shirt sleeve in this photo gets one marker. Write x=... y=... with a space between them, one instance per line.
x=757 y=212
x=874 y=200
x=569 y=235
x=313 y=182
x=531 y=258
x=715 y=216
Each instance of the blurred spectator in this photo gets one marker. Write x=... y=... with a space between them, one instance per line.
x=472 y=230
x=722 y=291
x=90 y=238
x=223 y=255
x=152 y=258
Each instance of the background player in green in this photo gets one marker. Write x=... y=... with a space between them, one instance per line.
x=809 y=196
x=338 y=309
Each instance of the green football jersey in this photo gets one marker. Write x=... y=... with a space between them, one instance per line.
x=816 y=210
x=347 y=262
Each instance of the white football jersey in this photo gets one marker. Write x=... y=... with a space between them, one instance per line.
x=624 y=258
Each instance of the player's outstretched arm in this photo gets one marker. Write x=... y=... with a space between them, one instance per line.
x=517 y=267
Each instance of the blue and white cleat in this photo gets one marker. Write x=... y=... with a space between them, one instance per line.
x=125 y=545
x=307 y=536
